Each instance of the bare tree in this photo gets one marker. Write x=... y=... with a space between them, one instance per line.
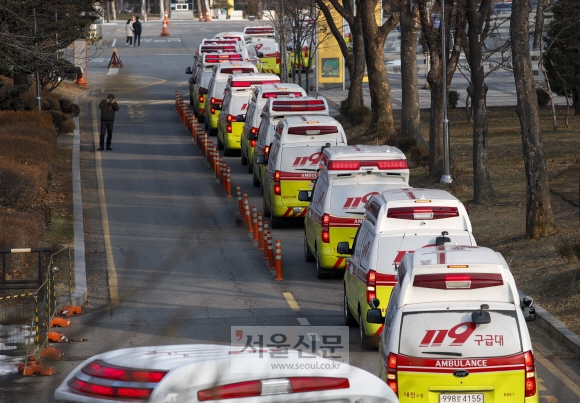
x=435 y=76
x=410 y=111
x=539 y=216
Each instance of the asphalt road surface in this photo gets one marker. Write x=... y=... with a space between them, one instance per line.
x=179 y=269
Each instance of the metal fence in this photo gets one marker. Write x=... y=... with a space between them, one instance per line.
x=25 y=318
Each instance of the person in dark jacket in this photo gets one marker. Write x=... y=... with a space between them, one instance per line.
x=137 y=32
x=108 y=108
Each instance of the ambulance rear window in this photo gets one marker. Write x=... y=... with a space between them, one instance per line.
x=451 y=337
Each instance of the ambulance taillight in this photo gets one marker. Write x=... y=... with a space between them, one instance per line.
x=422 y=213
x=252 y=143
x=530 y=374
x=392 y=373
x=277 y=188
x=266 y=151
x=324 y=232
x=371 y=285
x=457 y=281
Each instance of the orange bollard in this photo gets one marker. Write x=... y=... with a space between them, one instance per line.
x=59 y=322
x=247 y=215
x=255 y=223
x=224 y=176
x=265 y=239
x=278 y=261
x=193 y=130
x=260 y=232
x=271 y=252
x=228 y=182
x=240 y=202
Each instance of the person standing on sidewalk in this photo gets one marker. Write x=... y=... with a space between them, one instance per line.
x=108 y=108
x=129 y=32
x=137 y=32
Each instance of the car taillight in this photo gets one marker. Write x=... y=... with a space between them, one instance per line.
x=325 y=233
x=246 y=84
x=253 y=143
x=277 y=57
x=422 y=213
x=470 y=281
x=371 y=285
x=254 y=130
x=392 y=373
x=277 y=188
x=102 y=370
x=231 y=118
x=229 y=128
x=201 y=98
x=212 y=110
x=356 y=165
x=266 y=151
x=530 y=374
x=109 y=391
x=272 y=387
x=212 y=101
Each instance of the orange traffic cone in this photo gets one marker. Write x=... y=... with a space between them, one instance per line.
x=81 y=79
x=164 y=31
x=207 y=16
x=166 y=19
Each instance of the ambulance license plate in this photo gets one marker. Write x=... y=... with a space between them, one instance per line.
x=461 y=398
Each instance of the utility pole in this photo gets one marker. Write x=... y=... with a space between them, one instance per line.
x=38 y=99
x=446 y=178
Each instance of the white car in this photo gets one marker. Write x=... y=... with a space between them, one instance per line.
x=194 y=373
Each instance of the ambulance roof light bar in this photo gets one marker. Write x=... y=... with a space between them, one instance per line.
x=455 y=281
x=356 y=165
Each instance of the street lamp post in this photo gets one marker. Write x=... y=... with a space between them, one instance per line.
x=446 y=178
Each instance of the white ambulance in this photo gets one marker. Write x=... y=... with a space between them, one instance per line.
x=274 y=111
x=293 y=163
x=348 y=177
x=396 y=221
x=455 y=330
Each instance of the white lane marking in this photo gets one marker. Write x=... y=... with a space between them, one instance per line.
x=303 y=321
x=291 y=301
x=114 y=42
x=113 y=70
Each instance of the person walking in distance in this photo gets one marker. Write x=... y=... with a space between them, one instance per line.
x=129 y=32
x=137 y=32
x=108 y=108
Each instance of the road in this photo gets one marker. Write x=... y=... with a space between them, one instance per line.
x=179 y=269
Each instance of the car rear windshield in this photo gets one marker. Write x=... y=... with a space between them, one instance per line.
x=348 y=198
x=453 y=335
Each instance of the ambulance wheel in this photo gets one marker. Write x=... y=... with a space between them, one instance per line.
x=227 y=151
x=321 y=273
x=212 y=132
x=265 y=208
x=250 y=168
x=275 y=222
x=308 y=256
x=200 y=118
x=243 y=159
x=366 y=342
x=255 y=181
x=220 y=145
x=206 y=126
x=349 y=319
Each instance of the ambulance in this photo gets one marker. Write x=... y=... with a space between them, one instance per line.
x=455 y=329
x=395 y=222
x=268 y=51
x=217 y=86
x=348 y=177
x=274 y=111
x=199 y=84
x=259 y=98
x=293 y=163
x=231 y=122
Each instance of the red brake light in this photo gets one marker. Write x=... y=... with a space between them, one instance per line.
x=356 y=165
x=371 y=285
x=217 y=48
x=312 y=384
x=222 y=57
x=232 y=118
x=101 y=370
x=229 y=128
x=252 y=143
x=325 y=230
x=254 y=130
x=245 y=84
x=530 y=374
x=201 y=98
x=237 y=70
x=266 y=150
x=422 y=213
x=457 y=281
x=299 y=105
x=277 y=188
x=212 y=100
x=235 y=390
x=313 y=130
x=280 y=94
x=392 y=373
x=212 y=110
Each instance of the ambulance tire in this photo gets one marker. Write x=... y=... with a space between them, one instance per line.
x=250 y=168
x=308 y=256
x=321 y=273
x=366 y=342
x=255 y=181
x=212 y=132
x=206 y=126
x=200 y=118
x=265 y=208
x=220 y=145
x=275 y=222
x=243 y=159
x=349 y=319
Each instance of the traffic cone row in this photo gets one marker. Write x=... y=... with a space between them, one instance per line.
x=256 y=226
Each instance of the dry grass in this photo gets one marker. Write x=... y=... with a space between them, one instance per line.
x=538 y=266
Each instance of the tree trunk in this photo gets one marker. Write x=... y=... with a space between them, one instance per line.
x=357 y=72
x=379 y=88
x=539 y=217
x=539 y=26
x=114 y=10
x=435 y=80
x=482 y=189
x=576 y=102
x=411 y=111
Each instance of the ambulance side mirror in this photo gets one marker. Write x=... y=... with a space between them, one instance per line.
x=528 y=310
x=188 y=70
x=374 y=314
x=251 y=136
x=441 y=240
x=261 y=160
x=260 y=54
x=191 y=80
x=343 y=248
x=482 y=316
x=304 y=195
